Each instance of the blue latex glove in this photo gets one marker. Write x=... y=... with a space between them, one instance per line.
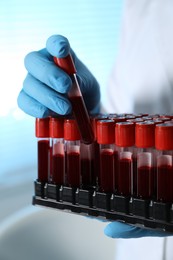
x=121 y=230
x=45 y=87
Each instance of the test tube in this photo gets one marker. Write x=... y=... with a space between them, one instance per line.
x=125 y=140
x=56 y=130
x=118 y=119
x=164 y=146
x=79 y=109
x=145 y=142
x=86 y=157
x=106 y=139
x=43 y=148
x=95 y=158
x=73 y=166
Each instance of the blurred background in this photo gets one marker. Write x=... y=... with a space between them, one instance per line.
x=92 y=27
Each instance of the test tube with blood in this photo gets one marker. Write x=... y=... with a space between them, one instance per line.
x=72 y=143
x=57 y=163
x=43 y=148
x=145 y=142
x=164 y=148
x=78 y=106
x=125 y=140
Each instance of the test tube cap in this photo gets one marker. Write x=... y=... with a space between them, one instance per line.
x=164 y=136
x=145 y=134
x=94 y=120
x=119 y=119
x=105 y=131
x=56 y=127
x=42 y=127
x=135 y=120
x=157 y=121
x=125 y=134
x=71 y=131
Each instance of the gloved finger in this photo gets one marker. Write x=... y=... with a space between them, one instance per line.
x=46 y=96
x=32 y=107
x=58 y=46
x=122 y=230
x=41 y=66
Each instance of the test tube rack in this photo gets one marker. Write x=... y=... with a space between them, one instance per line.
x=150 y=213
x=89 y=202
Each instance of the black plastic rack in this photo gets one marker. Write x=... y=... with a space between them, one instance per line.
x=143 y=213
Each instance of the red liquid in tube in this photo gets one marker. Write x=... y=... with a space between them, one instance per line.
x=164 y=177
x=43 y=160
x=106 y=139
x=73 y=169
x=86 y=163
x=134 y=175
x=116 y=169
x=145 y=182
x=164 y=146
x=107 y=170
x=86 y=172
x=145 y=141
x=43 y=148
x=125 y=140
x=73 y=160
x=57 y=162
x=125 y=173
x=58 y=169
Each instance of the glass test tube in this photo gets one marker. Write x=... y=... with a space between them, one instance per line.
x=164 y=146
x=106 y=139
x=125 y=140
x=95 y=164
x=72 y=143
x=135 y=121
x=145 y=142
x=79 y=109
x=56 y=130
x=118 y=119
x=86 y=160
x=43 y=148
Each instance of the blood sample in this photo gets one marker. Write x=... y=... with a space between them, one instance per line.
x=79 y=109
x=125 y=140
x=95 y=158
x=164 y=146
x=73 y=167
x=86 y=158
x=56 y=128
x=145 y=142
x=43 y=148
x=106 y=139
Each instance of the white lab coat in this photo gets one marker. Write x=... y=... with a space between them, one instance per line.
x=142 y=81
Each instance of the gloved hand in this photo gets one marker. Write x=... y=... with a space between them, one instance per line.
x=45 y=87
x=121 y=230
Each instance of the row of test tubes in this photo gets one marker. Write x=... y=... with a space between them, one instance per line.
x=132 y=154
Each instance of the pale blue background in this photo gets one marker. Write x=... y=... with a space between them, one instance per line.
x=92 y=27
